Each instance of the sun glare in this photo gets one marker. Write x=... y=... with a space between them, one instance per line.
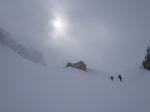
x=59 y=28
x=58 y=23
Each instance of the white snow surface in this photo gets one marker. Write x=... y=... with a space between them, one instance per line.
x=29 y=87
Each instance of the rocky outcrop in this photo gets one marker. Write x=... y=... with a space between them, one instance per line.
x=146 y=62
x=78 y=65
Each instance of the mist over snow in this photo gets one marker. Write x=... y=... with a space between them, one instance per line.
x=29 y=87
x=110 y=36
x=28 y=53
x=103 y=33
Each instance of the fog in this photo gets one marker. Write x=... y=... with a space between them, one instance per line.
x=110 y=35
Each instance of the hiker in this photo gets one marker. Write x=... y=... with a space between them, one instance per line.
x=112 y=78
x=120 y=77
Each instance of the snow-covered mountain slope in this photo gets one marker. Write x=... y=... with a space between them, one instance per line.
x=28 y=53
x=27 y=87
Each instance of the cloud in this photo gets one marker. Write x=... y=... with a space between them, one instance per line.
x=102 y=32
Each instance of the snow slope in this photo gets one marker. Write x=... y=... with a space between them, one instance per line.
x=27 y=87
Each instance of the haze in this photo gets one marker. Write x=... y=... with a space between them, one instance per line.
x=110 y=35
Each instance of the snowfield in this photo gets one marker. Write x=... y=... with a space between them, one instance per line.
x=29 y=87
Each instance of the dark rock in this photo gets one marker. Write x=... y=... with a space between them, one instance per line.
x=146 y=62
x=146 y=65
x=78 y=65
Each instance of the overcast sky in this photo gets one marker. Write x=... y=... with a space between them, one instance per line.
x=110 y=35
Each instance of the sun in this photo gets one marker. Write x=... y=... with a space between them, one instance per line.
x=58 y=23
x=59 y=28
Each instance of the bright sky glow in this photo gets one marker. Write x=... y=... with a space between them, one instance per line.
x=58 y=24
x=59 y=27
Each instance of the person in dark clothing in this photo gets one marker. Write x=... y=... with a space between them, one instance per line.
x=112 y=78
x=120 y=77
